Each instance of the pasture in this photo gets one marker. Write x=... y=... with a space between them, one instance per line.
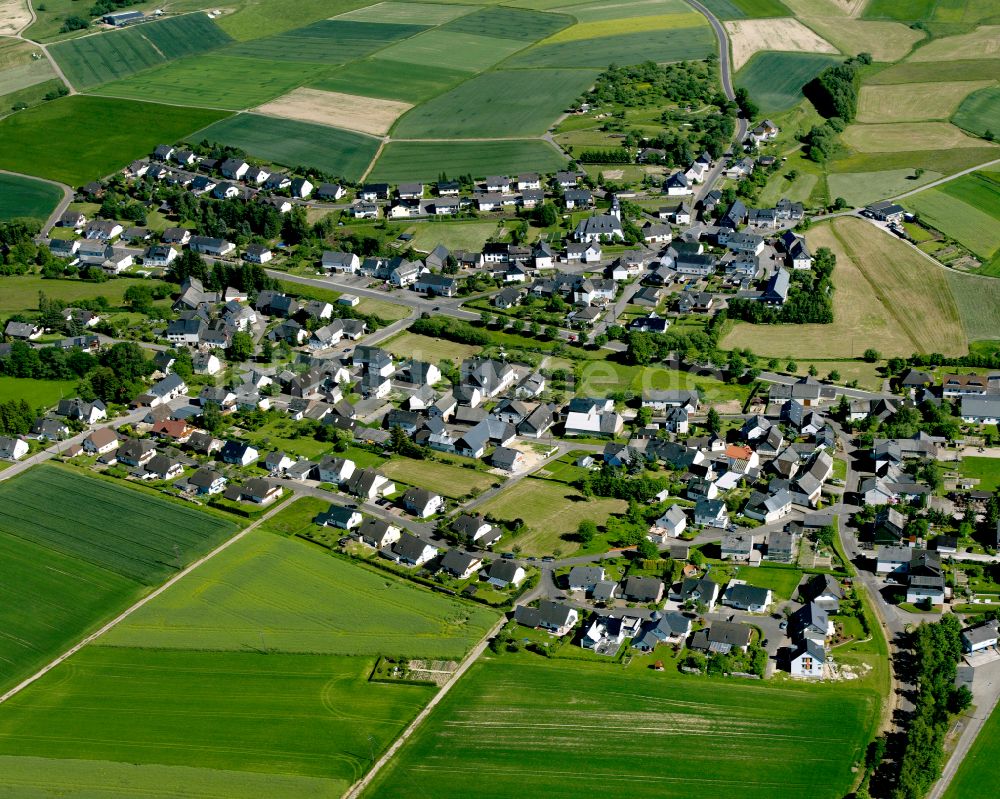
x=980 y=112
x=552 y=512
x=678 y=44
x=331 y=41
x=894 y=137
x=966 y=209
x=928 y=71
x=984 y=42
x=453 y=50
x=775 y=80
x=391 y=80
x=92 y=60
x=861 y=188
x=886 y=41
x=351 y=111
x=46 y=140
x=448 y=480
x=40 y=394
x=978 y=768
x=943 y=161
x=425 y=348
x=292 y=715
x=293 y=143
x=24 y=198
x=402 y=160
x=749 y=36
x=298 y=598
x=885 y=291
x=214 y=81
x=497 y=104
x=918 y=102
x=135 y=535
x=525 y=720
x=68 y=598
x=978 y=300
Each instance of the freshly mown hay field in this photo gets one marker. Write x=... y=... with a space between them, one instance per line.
x=861 y=188
x=886 y=41
x=565 y=728
x=775 y=80
x=401 y=160
x=979 y=765
x=131 y=533
x=411 y=13
x=739 y=9
x=901 y=136
x=93 y=60
x=917 y=102
x=980 y=112
x=46 y=141
x=504 y=103
x=68 y=597
x=966 y=209
x=214 y=81
x=391 y=80
x=928 y=71
x=425 y=348
x=978 y=300
x=21 y=291
x=798 y=190
x=442 y=478
x=293 y=143
x=750 y=36
x=551 y=510
x=22 y=197
x=984 y=42
x=886 y=292
x=678 y=44
x=332 y=41
x=301 y=599
x=290 y=715
x=14 y=15
x=453 y=50
x=353 y=112
x=38 y=393
x=453 y=235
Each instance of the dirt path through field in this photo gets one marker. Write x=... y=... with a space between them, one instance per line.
x=142 y=602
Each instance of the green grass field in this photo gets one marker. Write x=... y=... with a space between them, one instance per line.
x=509 y=23
x=39 y=393
x=215 y=81
x=48 y=140
x=330 y=41
x=567 y=728
x=453 y=235
x=427 y=160
x=413 y=13
x=775 y=80
x=979 y=113
x=782 y=582
x=255 y=18
x=68 y=597
x=92 y=60
x=24 y=198
x=299 y=599
x=922 y=71
x=986 y=470
x=127 y=532
x=19 y=293
x=391 y=80
x=442 y=478
x=294 y=143
x=497 y=104
x=978 y=769
x=861 y=188
x=551 y=510
x=425 y=348
x=967 y=209
x=678 y=44
x=596 y=11
x=905 y=10
x=978 y=301
x=449 y=49
x=289 y=715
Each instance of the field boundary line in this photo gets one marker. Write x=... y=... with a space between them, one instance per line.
x=947 y=179
x=355 y=790
x=146 y=599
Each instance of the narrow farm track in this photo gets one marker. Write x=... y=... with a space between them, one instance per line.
x=358 y=787
x=142 y=602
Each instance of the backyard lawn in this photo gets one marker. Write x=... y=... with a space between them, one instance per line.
x=986 y=470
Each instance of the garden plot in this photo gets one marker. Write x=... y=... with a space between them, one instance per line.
x=350 y=111
x=750 y=36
